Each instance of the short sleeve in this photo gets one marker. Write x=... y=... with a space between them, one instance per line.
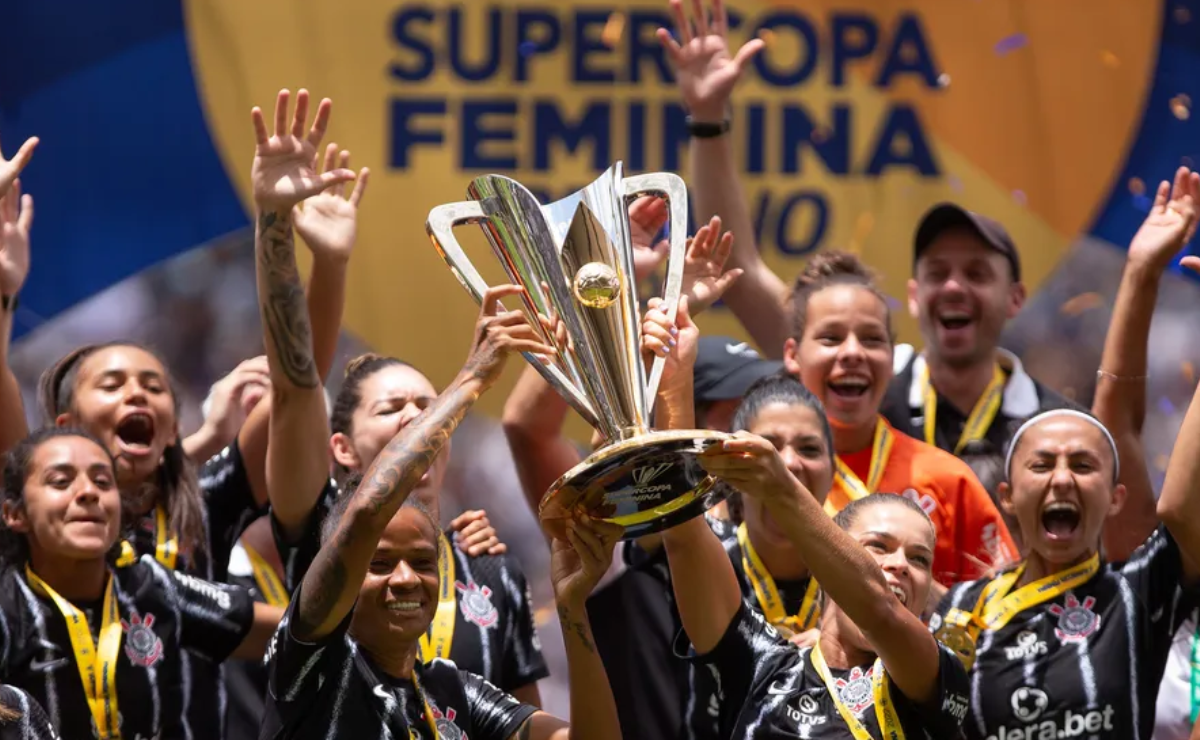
x=943 y=715
x=230 y=504
x=214 y=617
x=1155 y=573
x=523 y=661
x=296 y=669
x=298 y=555
x=495 y=715
x=31 y=722
x=749 y=648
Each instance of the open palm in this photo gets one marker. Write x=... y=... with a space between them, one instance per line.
x=16 y=219
x=705 y=279
x=284 y=171
x=705 y=70
x=646 y=218
x=328 y=221
x=1171 y=223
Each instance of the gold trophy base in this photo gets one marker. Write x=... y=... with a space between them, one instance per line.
x=646 y=484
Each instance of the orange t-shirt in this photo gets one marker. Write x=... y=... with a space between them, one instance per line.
x=971 y=535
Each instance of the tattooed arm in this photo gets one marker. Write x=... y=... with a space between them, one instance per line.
x=576 y=566
x=332 y=582
x=283 y=175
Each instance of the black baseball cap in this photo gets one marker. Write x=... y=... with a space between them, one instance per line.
x=727 y=367
x=947 y=215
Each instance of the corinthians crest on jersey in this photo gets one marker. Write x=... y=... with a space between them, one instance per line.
x=475 y=601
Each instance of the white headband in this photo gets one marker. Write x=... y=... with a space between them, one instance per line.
x=1062 y=412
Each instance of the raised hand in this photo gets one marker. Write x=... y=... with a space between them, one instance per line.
x=10 y=169
x=646 y=218
x=1171 y=223
x=476 y=535
x=704 y=277
x=497 y=334
x=328 y=221
x=285 y=162
x=752 y=465
x=16 y=219
x=578 y=562
x=678 y=342
x=704 y=69
x=233 y=397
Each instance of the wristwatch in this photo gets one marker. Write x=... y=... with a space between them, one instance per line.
x=706 y=129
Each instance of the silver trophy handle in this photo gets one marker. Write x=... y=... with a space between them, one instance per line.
x=669 y=186
x=440 y=226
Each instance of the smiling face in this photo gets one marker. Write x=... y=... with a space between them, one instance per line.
x=902 y=541
x=121 y=394
x=71 y=505
x=1061 y=489
x=798 y=434
x=399 y=596
x=845 y=354
x=390 y=399
x=962 y=296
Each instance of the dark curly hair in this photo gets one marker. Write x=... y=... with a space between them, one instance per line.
x=329 y=523
x=826 y=270
x=177 y=481
x=14 y=547
x=341 y=420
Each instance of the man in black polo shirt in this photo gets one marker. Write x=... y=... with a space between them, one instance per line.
x=963 y=386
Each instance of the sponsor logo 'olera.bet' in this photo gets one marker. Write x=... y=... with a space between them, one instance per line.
x=1030 y=704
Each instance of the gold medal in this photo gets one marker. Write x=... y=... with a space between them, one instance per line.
x=959 y=640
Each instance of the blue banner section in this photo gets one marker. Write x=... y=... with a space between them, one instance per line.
x=128 y=173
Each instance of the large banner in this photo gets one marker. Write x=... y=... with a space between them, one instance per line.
x=1054 y=117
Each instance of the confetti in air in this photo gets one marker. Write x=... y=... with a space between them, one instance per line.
x=1166 y=408
x=1181 y=106
x=611 y=35
x=943 y=80
x=1112 y=61
x=1136 y=186
x=1019 y=197
x=956 y=183
x=1011 y=43
x=1080 y=303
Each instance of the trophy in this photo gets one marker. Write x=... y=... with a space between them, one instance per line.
x=574 y=257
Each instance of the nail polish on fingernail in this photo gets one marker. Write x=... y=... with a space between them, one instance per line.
x=666 y=350
x=674 y=331
x=672 y=342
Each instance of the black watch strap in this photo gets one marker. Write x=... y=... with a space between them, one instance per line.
x=707 y=130
x=8 y=303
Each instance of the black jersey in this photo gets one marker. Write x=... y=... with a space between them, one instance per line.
x=229 y=507
x=31 y=722
x=168 y=620
x=704 y=703
x=494 y=632
x=332 y=689
x=245 y=680
x=770 y=689
x=1084 y=664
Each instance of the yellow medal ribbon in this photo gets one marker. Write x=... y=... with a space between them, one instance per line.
x=981 y=417
x=166 y=547
x=885 y=710
x=881 y=451
x=424 y=706
x=97 y=668
x=768 y=594
x=996 y=607
x=436 y=644
x=267 y=580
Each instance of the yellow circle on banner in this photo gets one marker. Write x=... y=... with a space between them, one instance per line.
x=851 y=125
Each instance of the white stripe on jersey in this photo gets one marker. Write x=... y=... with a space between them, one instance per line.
x=342 y=688
x=294 y=690
x=484 y=637
x=1031 y=657
x=39 y=623
x=7 y=638
x=1129 y=601
x=151 y=672
x=986 y=638
x=164 y=579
